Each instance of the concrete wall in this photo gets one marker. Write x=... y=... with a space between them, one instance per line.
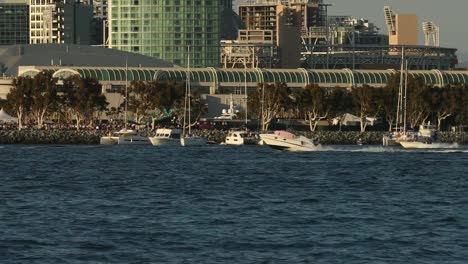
x=5 y=86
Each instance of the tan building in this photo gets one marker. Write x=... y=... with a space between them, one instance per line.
x=406 y=30
x=402 y=28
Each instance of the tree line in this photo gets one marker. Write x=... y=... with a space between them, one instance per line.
x=314 y=103
x=80 y=100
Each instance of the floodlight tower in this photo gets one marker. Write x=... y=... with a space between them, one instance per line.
x=390 y=20
x=431 y=31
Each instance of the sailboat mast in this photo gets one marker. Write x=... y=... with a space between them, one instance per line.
x=406 y=92
x=400 y=93
x=188 y=91
x=245 y=88
x=126 y=92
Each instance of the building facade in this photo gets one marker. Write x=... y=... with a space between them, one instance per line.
x=14 y=22
x=62 y=21
x=270 y=36
x=171 y=30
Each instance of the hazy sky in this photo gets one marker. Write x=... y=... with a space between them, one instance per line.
x=450 y=15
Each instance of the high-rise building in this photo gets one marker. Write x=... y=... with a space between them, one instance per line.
x=274 y=21
x=227 y=4
x=167 y=29
x=61 y=21
x=77 y=22
x=14 y=22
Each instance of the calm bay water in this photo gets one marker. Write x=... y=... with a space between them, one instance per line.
x=114 y=204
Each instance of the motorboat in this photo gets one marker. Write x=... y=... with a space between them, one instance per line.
x=124 y=137
x=192 y=140
x=284 y=140
x=240 y=137
x=166 y=137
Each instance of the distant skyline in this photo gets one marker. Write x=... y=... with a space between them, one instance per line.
x=451 y=16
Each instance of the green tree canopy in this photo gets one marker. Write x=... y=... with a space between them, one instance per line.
x=84 y=98
x=19 y=98
x=268 y=101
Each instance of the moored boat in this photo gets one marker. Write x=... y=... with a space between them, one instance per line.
x=166 y=137
x=240 y=137
x=124 y=137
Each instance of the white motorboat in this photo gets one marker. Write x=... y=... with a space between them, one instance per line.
x=240 y=137
x=284 y=140
x=166 y=137
x=125 y=137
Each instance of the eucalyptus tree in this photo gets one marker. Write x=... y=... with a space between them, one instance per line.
x=43 y=96
x=417 y=107
x=141 y=98
x=19 y=98
x=390 y=100
x=168 y=98
x=340 y=102
x=445 y=102
x=462 y=116
x=315 y=104
x=197 y=107
x=366 y=103
x=268 y=101
x=84 y=98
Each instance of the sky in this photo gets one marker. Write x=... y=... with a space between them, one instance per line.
x=450 y=15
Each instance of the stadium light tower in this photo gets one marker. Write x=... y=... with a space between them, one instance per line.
x=431 y=32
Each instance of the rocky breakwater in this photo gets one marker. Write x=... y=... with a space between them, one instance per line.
x=36 y=136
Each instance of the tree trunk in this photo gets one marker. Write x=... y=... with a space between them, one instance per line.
x=441 y=117
x=78 y=121
x=363 y=123
x=153 y=122
x=19 y=113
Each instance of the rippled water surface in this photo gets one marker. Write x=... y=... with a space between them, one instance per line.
x=217 y=204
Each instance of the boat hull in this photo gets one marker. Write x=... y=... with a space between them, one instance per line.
x=156 y=141
x=281 y=143
x=240 y=141
x=107 y=140
x=387 y=141
x=193 y=141
x=134 y=140
x=124 y=140
x=424 y=145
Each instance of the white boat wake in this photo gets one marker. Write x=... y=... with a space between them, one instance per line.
x=436 y=148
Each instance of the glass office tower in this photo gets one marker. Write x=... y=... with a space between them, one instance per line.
x=167 y=29
x=14 y=22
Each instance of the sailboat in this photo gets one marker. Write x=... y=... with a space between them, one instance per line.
x=125 y=136
x=400 y=133
x=188 y=139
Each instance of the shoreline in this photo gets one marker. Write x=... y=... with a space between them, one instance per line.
x=92 y=137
